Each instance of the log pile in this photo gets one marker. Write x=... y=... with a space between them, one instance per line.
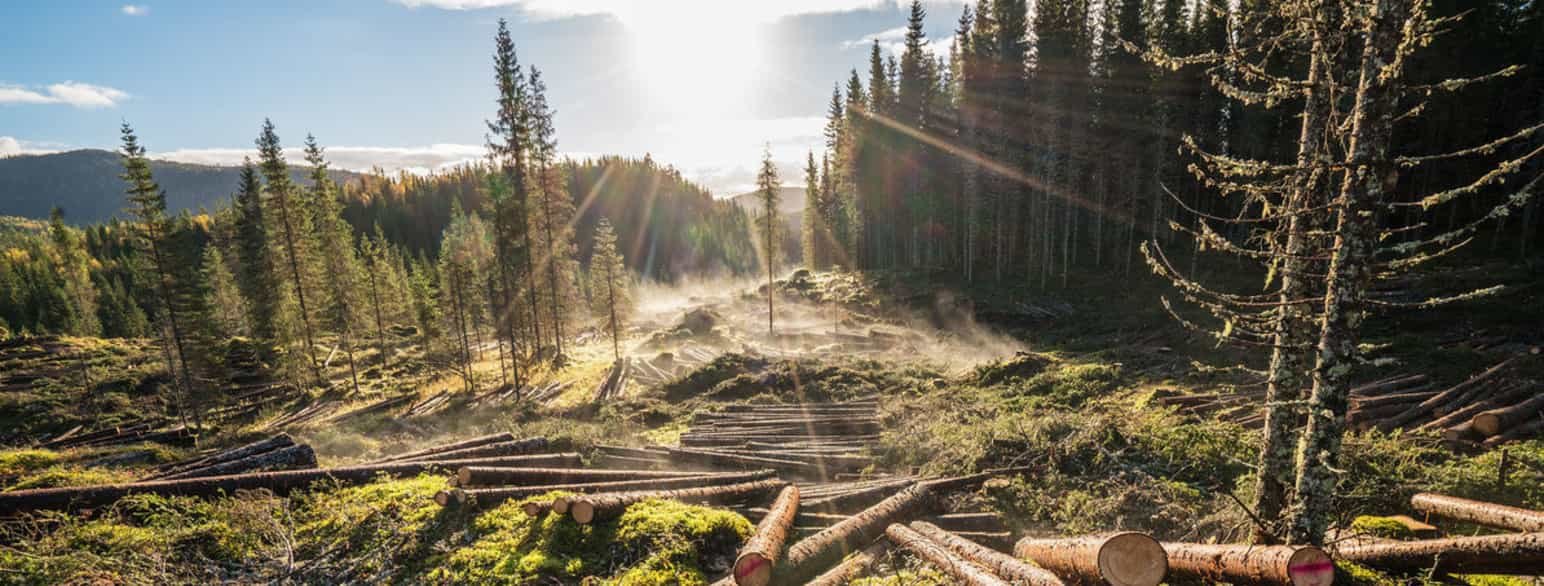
x=1520 y=553
x=614 y=386
x=1486 y=409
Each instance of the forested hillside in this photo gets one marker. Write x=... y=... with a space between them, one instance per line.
x=85 y=184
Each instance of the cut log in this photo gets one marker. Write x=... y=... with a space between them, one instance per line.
x=282 y=440
x=625 y=462
x=491 y=476
x=1442 y=399
x=962 y=570
x=291 y=458
x=278 y=482
x=857 y=499
x=1122 y=559
x=1495 y=421
x=723 y=459
x=755 y=564
x=1250 y=564
x=853 y=567
x=470 y=443
x=1007 y=566
x=967 y=522
x=810 y=556
x=601 y=507
x=634 y=452
x=1516 y=554
x=487 y=497
x=1479 y=512
x=509 y=448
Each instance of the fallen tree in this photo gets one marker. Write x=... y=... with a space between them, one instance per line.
x=853 y=567
x=941 y=557
x=277 y=482
x=601 y=507
x=275 y=442
x=859 y=498
x=1496 y=421
x=1122 y=559
x=509 y=448
x=470 y=443
x=1013 y=569
x=712 y=458
x=495 y=476
x=1478 y=512
x=288 y=458
x=1249 y=564
x=485 y=497
x=754 y=565
x=1517 y=554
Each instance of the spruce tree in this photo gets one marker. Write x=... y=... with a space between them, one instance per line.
x=334 y=239
x=555 y=212
x=256 y=276
x=508 y=146
x=72 y=263
x=293 y=233
x=223 y=298
x=811 y=223
x=767 y=191
x=611 y=299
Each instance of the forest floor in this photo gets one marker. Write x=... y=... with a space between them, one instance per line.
x=970 y=378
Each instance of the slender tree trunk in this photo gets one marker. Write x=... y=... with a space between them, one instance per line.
x=300 y=290
x=1365 y=186
x=348 y=347
x=611 y=304
x=162 y=276
x=552 y=267
x=380 y=326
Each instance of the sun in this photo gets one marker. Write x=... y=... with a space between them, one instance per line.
x=695 y=62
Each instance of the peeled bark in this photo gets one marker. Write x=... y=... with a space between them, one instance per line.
x=1516 y=554
x=601 y=507
x=490 y=476
x=1007 y=566
x=1249 y=564
x=754 y=565
x=486 y=497
x=509 y=448
x=1478 y=512
x=961 y=569
x=1495 y=421
x=290 y=458
x=470 y=443
x=853 y=567
x=282 y=440
x=277 y=482
x=1122 y=559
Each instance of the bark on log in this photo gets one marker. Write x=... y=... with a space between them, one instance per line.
x=278 y=482
x=1441 y=399
x=716 y=458
x=1516 y=554
x=290 y=458
x=1479 y=512
x=755 y=564
x=1526 y=430
x=600 y=507
x=470 y=476
x=1007 y=566
x=1122 y=559
x=824 y=549
x=962 y=570
x=967 y=522
x=509 y=448
x=1250 y=564
x=625 y=462
x=486 y=497
x=1495 y=421
x=282 y=440
x=858 y=499
x=853 y=567
x=470 y=443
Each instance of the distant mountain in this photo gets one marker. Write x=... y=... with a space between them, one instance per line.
x=790 y=201
x=85 y=184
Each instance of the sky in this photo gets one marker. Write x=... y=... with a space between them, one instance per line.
x=407 y=84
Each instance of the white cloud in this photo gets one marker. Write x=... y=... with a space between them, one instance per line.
x=74 y=93
x=757 y=11
x=136 y=9
x=11 y=146
x=422 y=159
x=894 y=41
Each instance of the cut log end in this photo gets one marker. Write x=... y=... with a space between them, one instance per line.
x=1488 y=424
x=752 y=569
x=582 y=511
x=453 y=497
x=535 y=508
x=560 y=505
x=1133 y=559
x=1310 y=566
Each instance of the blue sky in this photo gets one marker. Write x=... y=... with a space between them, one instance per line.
x=700 y=84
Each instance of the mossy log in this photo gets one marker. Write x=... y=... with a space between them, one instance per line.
x=963 y=571
x=1496 y=421
x=755 y=563
x=486 y=497
x=1249 y=564
x=811 y=555
x=275 y=442
x=1015 y=570
x=461 y=445
x=297 y=457
x=1479 y=512
x=854 y=566
x=509 y=448
x=1515 y=554
x=493 y=476
x=278 y=482
x=601 y=507
x=1122 y=559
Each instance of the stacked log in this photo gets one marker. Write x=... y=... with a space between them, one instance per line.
x=1249 y=564
x=261 y=446
x=758 y=557
x=485 y=497
x=614 y=385
x=962 y=570
x=277 y=482
x=508 y=448
x=1515 y=554
x=1011 y=568
x=470 y=476
x=469 y=443
x=1121 y=559
x=296 y=457
x=1479 y=513
x=605 y=506
x=853 y=567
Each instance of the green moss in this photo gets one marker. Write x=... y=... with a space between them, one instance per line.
x=1491 y=580
x=1381 y=527
x=1021 y=366
x=918 y=577
x=58 y=476
x=654 y=542
x=1358 y=575
x=17 y=462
